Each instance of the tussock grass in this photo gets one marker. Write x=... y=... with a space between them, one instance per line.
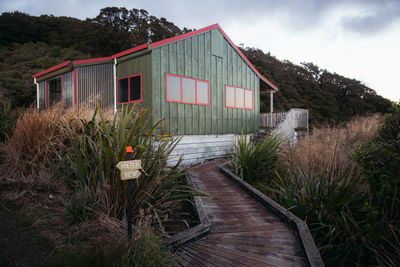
x=331 y=148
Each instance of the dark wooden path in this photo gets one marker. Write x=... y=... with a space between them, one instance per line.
x=243 y=232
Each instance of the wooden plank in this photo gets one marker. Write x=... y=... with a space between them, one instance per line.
x=202 y=76
x=212 y=258
x=181 y=71
x=207 y=77
x=172 y=107
x=207 y=258
x=275 y=246
x=195 y=73
x=240 y=258
x=164 y=68
x=313 y=256
x=156 y=82
x=273 y=259
x=220 y=99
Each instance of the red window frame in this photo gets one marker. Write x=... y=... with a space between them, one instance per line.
x=129 y=89
x=181 y=83
x=244 y=104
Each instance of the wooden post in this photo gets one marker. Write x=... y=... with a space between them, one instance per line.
x=129 y=197
x=271 y=104
x=271 y=97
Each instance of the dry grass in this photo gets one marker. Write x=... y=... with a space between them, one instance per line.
x=27 y=163
x=331 y=147
x=40 y=135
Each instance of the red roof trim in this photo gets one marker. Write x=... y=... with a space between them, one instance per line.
x=130 y=51
x=156 y=44
x=91 y=60
x=185 y=35
x=248 y=62
x=56 y=67
x=214 y=26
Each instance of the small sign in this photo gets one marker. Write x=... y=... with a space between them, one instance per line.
x=131 y=174
x=129 y=165
x=129 y=169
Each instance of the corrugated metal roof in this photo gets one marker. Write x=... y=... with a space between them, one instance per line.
x=156 y=44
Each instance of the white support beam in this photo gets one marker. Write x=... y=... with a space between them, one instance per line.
x=37 y=93
x=115 y=85
x=271 y=97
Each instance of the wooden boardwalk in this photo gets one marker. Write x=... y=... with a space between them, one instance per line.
x=243 y=232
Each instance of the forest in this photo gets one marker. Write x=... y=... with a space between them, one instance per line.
x=29 y=44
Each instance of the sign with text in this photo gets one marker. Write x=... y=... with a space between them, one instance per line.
x=129 y=169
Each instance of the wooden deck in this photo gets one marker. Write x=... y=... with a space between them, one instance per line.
x=243 y=232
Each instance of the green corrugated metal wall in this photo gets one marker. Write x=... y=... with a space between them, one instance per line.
x=138 y=64
x=207 y=56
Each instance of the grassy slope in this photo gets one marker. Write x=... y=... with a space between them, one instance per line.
x=19 y=61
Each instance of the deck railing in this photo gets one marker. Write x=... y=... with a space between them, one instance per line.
x=271 y=120
x=288 y=124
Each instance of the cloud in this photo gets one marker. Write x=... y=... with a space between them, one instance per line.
x=374 y=19
x=368 y=16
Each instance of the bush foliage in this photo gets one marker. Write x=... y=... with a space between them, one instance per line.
x=252 y=161
x=379 y=159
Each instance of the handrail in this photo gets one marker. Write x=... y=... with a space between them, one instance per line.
x=294 y=119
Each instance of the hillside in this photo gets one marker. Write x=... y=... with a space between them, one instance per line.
x=29 y=44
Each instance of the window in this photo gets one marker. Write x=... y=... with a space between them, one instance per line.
x=54 y=91
x=186 y=90
x=129 y=89
x=236 y=97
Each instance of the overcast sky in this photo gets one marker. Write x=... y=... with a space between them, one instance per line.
x=356 y=38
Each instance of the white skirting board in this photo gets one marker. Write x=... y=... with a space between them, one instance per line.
x=199 y=148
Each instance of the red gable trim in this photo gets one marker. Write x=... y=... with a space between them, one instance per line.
x=132 y=50
x=214 y=26
x=248 y=62
x=56 y=67
x=91 y=60
x=185 y=35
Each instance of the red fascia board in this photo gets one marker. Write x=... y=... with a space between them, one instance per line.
x=91 y=60
x=185 y=35
x=247 y=61
x=130 y=51
x=56 y=67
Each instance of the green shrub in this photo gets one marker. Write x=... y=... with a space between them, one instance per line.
x=7 y=121
x=144 y=251
x=332 y=204
x=256 y=161
x=380 y=160
x=81 y=208
x=147 y=252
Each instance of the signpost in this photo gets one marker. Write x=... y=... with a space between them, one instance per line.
x=129 y=170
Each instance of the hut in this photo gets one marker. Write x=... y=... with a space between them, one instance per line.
x=199 y=82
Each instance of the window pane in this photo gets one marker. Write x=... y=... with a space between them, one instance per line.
x=248 y=99
x=123 y=90
x=202 y=92
x=135 y=88
x=188 y=90
x=54 y=91
x=230 y=96
x=174 y=88
x=239 y=98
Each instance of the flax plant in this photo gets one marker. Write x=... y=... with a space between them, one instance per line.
x=252 y=161
x=101 y=145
